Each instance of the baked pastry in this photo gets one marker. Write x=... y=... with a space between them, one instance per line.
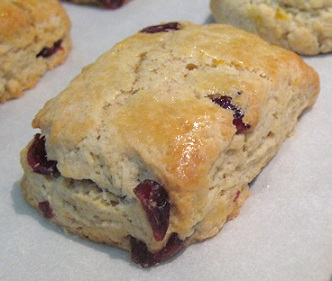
x=303 y=26
x=152 y=147
x=34 y=37
x=108 y=4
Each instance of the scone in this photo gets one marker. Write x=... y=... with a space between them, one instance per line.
x=108 y=4
x=151 y=148
x=34 y=37
x=303 y=26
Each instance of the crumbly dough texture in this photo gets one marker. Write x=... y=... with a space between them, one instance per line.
x=26 y=27
x=303 y=26
x=143 y=111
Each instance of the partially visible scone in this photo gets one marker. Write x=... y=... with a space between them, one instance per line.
x=108 y=4
x=303 y=26
x=152 y=147
x=34 y=37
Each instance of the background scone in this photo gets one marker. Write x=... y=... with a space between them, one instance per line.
x=303 y=26
x=152 y=147
x=34 y=37
x=108 y=4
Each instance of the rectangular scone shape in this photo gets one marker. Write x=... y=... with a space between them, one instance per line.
x=152 y=147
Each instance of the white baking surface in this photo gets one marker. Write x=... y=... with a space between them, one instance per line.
x=284 y=231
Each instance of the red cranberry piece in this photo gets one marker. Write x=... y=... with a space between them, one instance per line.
x=141 y=255
x=226 y=103
x=162 y=28
x=240 y=126
x=47 y=52
x=37 y=157
x=155 y=202
x=112 y=4
x=236 y=196
x=46 y=209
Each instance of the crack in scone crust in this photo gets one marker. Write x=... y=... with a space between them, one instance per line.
x=145 y=111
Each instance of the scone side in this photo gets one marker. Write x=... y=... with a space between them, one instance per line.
x=30 y=76
x=39 y=26
x=305 y=31
x=84 y=209
x=247 y=155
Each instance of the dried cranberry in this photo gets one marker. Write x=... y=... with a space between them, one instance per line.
x=162 y=28
x=37 y=157
x=111 y=4
x=141 y=255
x=226 y=103
x=47 y=52
x=155 y=202
x=236 y=196
x=240 y=126
x=46 y=209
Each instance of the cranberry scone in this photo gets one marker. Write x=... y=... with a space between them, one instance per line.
x=152 y=147
x=107 y=4
x=303 y=26
x=34 y=37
